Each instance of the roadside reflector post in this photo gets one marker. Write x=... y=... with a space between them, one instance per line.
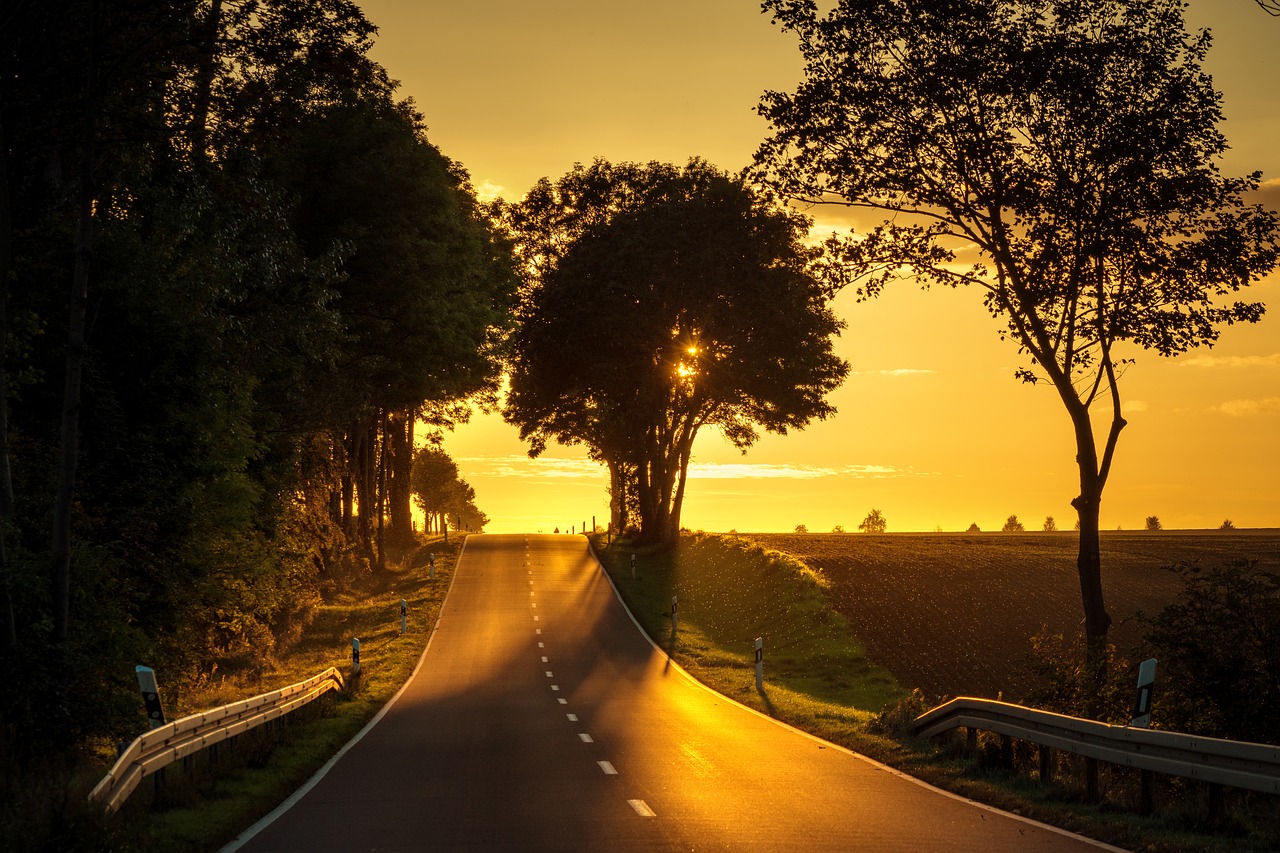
x=150 y=695
x=431 y=566
x=355 y=654
x=1142 y=702
x=404 y=615
x=760 y=664
x=633 y=566
x=675 y=615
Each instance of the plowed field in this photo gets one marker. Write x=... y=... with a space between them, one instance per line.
x=952 y=613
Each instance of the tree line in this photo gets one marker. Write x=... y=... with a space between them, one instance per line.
x=237 y=276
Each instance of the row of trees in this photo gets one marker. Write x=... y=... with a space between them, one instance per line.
x=236 y=274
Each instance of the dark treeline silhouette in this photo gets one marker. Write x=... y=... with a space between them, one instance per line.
x=236 y=275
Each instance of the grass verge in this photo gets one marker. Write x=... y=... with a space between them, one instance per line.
x=202 y=810
x=819 y=679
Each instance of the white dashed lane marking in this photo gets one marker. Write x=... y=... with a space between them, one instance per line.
x=586 y=738
x=607 y=768
x=642 y=808
x=563 y=701
x=573 y=718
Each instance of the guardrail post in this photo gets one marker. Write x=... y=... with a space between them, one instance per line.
x=355 y=654
x=150 y=695
x=760 y=664
x=1046 y=765
x=1147 y=795
x=404 y=614
x=1006 y=752
x=1091 y=780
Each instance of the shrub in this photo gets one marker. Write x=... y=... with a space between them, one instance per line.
x=1219 y=650
x=1067 y=684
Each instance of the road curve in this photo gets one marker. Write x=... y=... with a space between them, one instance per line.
x=542 y=719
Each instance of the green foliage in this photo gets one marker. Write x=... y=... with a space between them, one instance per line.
x=1219 y=651
x=1069 y=681
x=875 y=522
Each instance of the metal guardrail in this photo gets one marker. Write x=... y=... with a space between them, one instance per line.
x=159 y=748
x=1236 y=764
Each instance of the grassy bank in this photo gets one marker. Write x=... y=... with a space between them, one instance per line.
x=203 y=810
x=817 y=676
x=819 y=679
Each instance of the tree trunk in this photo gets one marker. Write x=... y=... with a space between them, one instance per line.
x=1088 y=506
x=69 y=449
x=6 y=473
x=399 y=475
x=198 y=130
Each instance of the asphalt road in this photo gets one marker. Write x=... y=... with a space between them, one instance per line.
x=542 y=719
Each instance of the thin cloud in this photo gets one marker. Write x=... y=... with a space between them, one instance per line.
x=1246 y=408
x=571 y=469
x=1209 y=361
x=899 y=371
x=489 y=191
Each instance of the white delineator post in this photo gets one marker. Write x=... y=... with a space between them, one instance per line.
x=355 y=654
x=404 y=615
x=431 y=566
x=760 y=664
x=1142 y=702
x=675 y=615
x=150 y=695
x=633 y=566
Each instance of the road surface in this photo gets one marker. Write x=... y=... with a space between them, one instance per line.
x=542 y=719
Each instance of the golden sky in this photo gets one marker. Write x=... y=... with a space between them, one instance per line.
x=933 y=429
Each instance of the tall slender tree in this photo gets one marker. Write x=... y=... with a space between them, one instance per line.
x=1071 y=146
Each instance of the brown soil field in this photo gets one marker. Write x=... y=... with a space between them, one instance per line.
x=952 y=614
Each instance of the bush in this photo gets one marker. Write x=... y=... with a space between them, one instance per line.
x=1219 y=651
x=1067 y=684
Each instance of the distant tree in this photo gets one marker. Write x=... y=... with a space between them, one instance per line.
x=1072 y=147
x=1050 y=525
x=839 y=528
x=800 y=528
x=1227 y=524
x=875 y=522
x=1153 y=523
x=974 y=528
x=665 y=299
x=1012 y=525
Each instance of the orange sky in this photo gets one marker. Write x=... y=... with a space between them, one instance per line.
x=932 y=429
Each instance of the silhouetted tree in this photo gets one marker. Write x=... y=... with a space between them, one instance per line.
x=802 y=528
x=1153 y=523
x=1012 y=525
x=1228 y=524
x=875 y=522
x=973 y=528
x=1072 y=146
x=1050 y=525
x=663 y=300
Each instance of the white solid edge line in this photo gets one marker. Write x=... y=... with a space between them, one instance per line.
x=270 y=818
x=1102 y=845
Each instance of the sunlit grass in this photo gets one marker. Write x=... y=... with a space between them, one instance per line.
x=234 y=797
x=730 y=592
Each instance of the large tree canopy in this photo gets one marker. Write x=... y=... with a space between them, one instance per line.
x=1059 y=155
x=665 y=300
